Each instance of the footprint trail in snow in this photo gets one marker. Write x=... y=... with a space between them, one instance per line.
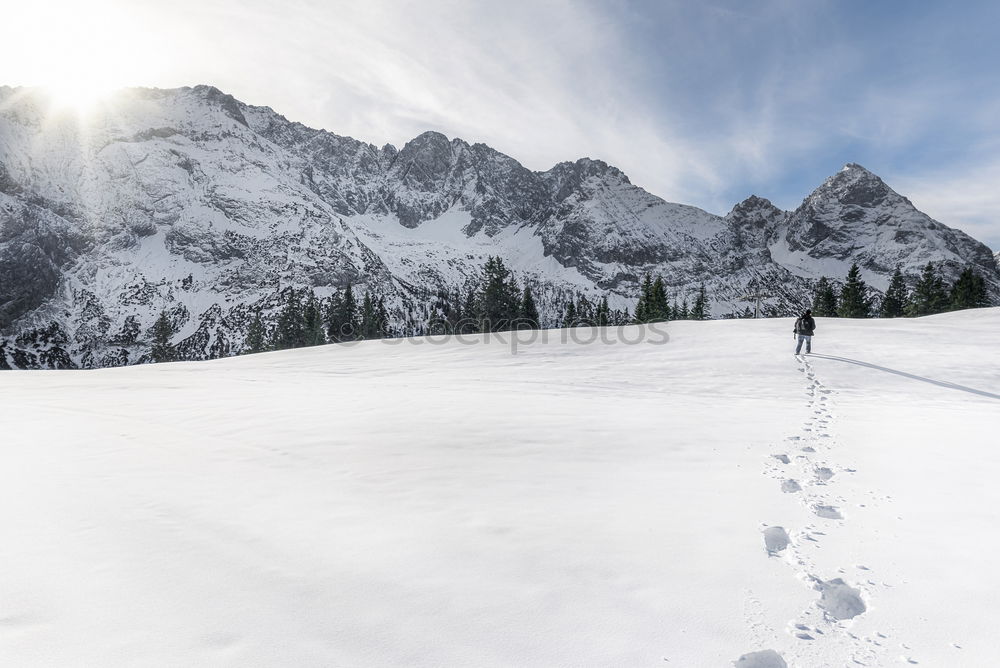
x=805 y=468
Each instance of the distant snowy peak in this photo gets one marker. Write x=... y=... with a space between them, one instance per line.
x=854 y=216
x=854 y=185
x=755 y=211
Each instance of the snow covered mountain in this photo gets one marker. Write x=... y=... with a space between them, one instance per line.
x=192 y=202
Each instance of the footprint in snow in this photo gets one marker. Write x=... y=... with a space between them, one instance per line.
x=775 y=540
x=823 y=473
x=828 y=512
x=839 y=600
x=766 y=658
x=782 y=458
x=789 y=486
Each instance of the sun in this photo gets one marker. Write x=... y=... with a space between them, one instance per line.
x=80 y=96
x=82 y=81
x=78 y=52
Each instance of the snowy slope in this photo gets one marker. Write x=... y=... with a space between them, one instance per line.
x=429 y=502
x=192 y=202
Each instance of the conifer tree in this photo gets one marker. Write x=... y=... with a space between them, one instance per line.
x=643 y=306
x=640 y=310
x=602 y=316
x=584 y=312
x=347 y=318
x=368 y=327
x=825 y=300
x=513 y=298
x=162 y=331
x=500 y=297
x=570 y=319
x=470 y=313
x=312 y=322
x=527 y=315
x=895 y=298
x=854 y=299
x=341 y=318
x=381 y=319
x=455 y=315
x=289 y=331
x=659 y=308
x=256 y=334
x=331 y=317
x=969 y=291
x=929 y=295
x=699 y=311
x=684 y=313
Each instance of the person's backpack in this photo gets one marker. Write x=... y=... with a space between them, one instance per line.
x=798 y=326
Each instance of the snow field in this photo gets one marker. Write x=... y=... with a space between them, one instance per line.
x=448 y=504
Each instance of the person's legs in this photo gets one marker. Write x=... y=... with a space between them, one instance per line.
x=798 y=348
x=809 y=345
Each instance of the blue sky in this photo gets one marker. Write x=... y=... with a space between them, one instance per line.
x=699 y=102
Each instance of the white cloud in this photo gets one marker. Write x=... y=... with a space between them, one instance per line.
x=968 y=198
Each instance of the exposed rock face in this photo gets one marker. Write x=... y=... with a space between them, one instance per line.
x=855 y=216
x=191 y=202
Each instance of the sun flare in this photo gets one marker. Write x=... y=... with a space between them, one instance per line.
x=79 y=96
x=79 y=53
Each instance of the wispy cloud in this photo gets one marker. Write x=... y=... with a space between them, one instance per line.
x=967 y=198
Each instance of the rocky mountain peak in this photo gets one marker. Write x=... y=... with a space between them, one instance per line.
x=567 y=178
x=425 y=162
x=754 y=210
x=229 y=104
x=427 y=148
x=854 y=185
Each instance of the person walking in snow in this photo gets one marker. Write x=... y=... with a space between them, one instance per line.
x=804 y=328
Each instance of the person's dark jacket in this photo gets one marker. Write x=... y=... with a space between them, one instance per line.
x=805 y=325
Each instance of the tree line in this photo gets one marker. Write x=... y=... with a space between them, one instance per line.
x=654 y=304
x=495 y=301
x=492 y=302
x=930 y=295
x=302 y=320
